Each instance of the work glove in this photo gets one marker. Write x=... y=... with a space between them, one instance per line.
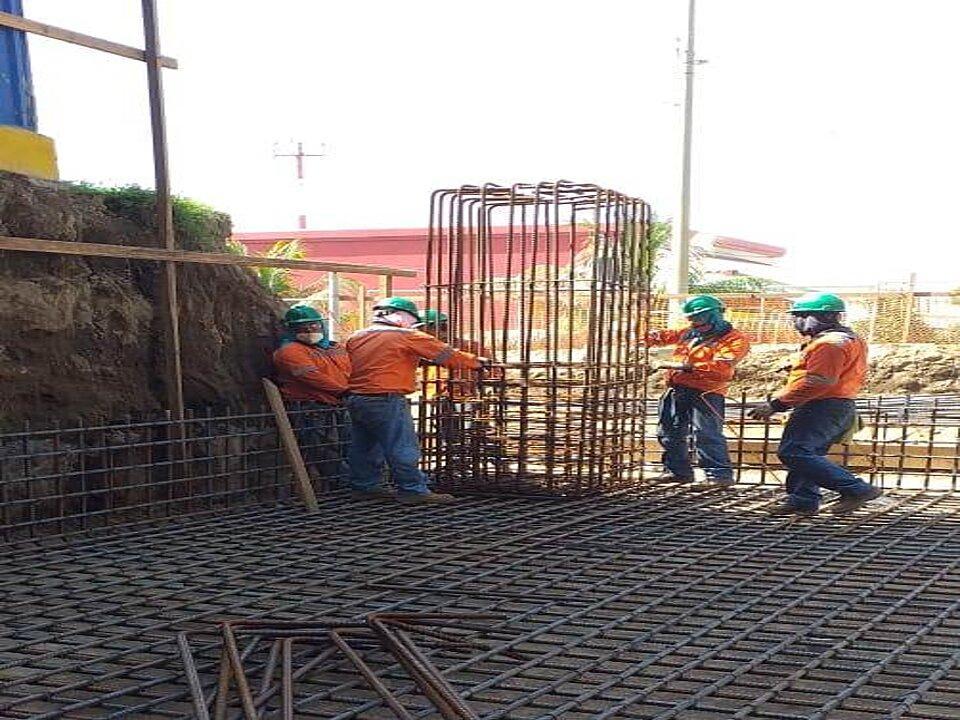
x=763 y=412
x=681 y=367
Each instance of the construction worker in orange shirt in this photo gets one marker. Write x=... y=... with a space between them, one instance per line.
x=825 y=378
x=384 y=358
x=313 y=374
x=704 y=357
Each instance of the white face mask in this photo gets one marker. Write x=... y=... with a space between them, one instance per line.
x=310 y=338
x=398 y=318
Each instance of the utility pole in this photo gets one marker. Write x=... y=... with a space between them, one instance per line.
x=333 y=280
x=681 y=230
x=299 y=155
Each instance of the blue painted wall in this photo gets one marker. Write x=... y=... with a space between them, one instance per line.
x=16 y=85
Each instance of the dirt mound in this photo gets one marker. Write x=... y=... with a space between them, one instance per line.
x=80 y=337
x=894 y=370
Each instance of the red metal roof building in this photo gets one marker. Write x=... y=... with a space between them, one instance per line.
x=407 y=248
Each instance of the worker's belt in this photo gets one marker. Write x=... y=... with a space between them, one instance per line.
x=388 y=394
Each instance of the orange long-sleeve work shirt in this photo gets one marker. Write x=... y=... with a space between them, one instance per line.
x=459 y=384
x=831 y=365
x=385 y=358
x=712 y=361
x=307 y=372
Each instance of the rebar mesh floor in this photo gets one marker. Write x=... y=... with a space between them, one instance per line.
x=685 y=602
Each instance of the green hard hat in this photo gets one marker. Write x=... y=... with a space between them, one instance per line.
x=434 y=317
x=818 y=302
x=299 y=314
x=399 y=303
x=701 y=303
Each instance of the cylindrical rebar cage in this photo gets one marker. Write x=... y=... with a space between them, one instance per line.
x=552 y=282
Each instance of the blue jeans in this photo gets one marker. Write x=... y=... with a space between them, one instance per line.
x=684 y=410
x=323 y=432
x=807 y=437
x=383 y=431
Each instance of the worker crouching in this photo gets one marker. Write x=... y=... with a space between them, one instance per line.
x=313 y=373
x=825 y=378
x=384 y=360
x=705 y=355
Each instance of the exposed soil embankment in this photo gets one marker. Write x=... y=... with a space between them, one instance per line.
x=80 y=337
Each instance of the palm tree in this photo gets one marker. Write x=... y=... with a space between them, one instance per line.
x=277 y=280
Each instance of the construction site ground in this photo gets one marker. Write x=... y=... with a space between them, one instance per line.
x=664 y=602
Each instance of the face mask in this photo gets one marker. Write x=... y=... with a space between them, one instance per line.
x=706 y=320
x=398 y=319
x=810 y=325
x=310 y=338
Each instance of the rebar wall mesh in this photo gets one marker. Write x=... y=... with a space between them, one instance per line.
x=88 y=476
x=552 y=281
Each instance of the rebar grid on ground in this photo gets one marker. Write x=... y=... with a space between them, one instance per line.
x=552 y=281
x=666 y=602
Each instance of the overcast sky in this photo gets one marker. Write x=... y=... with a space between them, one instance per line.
x=827 y=126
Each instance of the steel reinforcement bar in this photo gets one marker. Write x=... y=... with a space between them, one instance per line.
x=670 y=602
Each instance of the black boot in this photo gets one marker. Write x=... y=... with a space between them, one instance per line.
x=848 y=503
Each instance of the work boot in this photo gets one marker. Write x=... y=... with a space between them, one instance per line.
x=669 y=477
x=848 y=503
x=787 y=508
x=430 y=498
x=377 y=493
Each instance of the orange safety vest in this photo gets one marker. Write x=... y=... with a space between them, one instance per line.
x=385 y=358
x=713 y=360
x=307 y=372
x=831 y=365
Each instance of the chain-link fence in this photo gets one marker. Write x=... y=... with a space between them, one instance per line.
x=880 y=317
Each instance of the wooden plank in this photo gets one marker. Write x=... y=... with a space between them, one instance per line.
x=386 y=286
x=51 y=31
x=333 y=304
x=362 y=305
x=169 y=306
x=290 y=445
x=133 y=252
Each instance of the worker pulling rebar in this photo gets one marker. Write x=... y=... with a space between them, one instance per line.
x=704 y=358
x=384 y=360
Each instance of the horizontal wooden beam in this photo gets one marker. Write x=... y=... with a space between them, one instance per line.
x=133 y=252
x=32 y=26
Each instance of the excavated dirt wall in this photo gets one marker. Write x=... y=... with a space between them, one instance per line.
x=80 y=337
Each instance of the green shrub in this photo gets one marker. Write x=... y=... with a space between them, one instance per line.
x=196 y=226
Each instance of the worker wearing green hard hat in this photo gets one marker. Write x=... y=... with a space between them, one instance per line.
x=433 y=319
x=398 y=305
x=821 y=389
x=313 y=374
x=384 y=359
x=704 y=357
